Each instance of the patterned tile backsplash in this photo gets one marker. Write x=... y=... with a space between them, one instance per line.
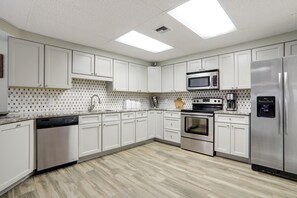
x=26 y=100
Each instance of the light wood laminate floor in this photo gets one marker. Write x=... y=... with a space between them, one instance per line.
x=156 y=170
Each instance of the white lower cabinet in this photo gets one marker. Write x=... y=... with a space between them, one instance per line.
x=128 y=132
x=89 y=139
x=172 y=126
x=232 y=138
x=141 y=129
x=111 y=135
x=155 y=124
x=16 y=152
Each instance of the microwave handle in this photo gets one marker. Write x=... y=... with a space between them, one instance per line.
x=210 y=80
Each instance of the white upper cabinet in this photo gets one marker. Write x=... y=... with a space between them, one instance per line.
x=268 y=52
x=210 y=63
x=137 y=78
x=180 y=75
x=83 y=63
x=103 y=67
x=154 y=79
x=227 y=71
x=194 y=66
x=235 y=70
x=291 y=48
x=243 y=69
x=57 y=67
x=167 y=78
x=120 y=76
x=26 y=63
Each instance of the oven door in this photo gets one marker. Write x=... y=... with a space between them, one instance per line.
x=197 y=126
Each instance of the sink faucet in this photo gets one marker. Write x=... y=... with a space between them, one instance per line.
x=92 y=106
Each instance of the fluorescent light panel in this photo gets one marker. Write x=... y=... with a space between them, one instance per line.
x=206 y=18
x=144 y=42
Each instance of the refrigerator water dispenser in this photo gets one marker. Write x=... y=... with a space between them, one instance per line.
x=266 y=106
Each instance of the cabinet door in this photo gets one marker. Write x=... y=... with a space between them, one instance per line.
x=111 y=135
x=210 y=63
x=142 y=79
x=89 y=139
x=128 y=132
x=58 y=63
x=240 y=140
x=83 y=63
x=151 y=128
x=172 y=135
x=16 y=151
x=154 y=79
x=227 y=72
x=167 y=78
x=222 y=137
x=26 y=63
x=180 y=78
x=291 y=48
x=141 y=129
x=194 y=66
x=103 y=67
x=243 y=69
x=268 y=52
x=134 y=75
x=159 y=125
x=120 y=76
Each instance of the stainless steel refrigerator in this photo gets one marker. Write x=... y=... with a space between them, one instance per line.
x=274 y=116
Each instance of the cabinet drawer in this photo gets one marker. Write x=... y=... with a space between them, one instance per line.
x=128 y=115
x=172 y=114
x=173 y=124
x=237 y=119
x=141 y=114
x=172 y=136
x=111 y=117
x=88 y=119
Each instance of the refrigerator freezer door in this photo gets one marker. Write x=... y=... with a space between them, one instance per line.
x=290 y=114
x=267 y=131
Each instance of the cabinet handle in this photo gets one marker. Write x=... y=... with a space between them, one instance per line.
x=96 y=74
x=39 y=85
x=232 y=126
x=228 y=125
x=18 y=125
x=115 y=89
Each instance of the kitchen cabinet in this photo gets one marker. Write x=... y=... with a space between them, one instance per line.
x=235 y=70
x=194 y=66
x=89 y=135
x=210 y=63
x=141 y=129
x=268 y=52
x=16 y=151
x=120 y=76
x=137 y=78
x=155 y=124
x=172 y=126
x=111 y=137
x=103 y=67
x=230 y=137
x=128 y=128
x=291 y=48
x=58 y=63
x=26 y=63
x=180 y=77
x=154 y=79
x=83 y=63
x=167 y=79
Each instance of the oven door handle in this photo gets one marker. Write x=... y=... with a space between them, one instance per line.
x=196 y=116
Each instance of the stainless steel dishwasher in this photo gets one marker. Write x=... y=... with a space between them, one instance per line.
x=57 y=142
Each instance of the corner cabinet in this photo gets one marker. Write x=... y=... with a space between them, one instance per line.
x=232 y=135
x=120 y=76
x=58 y=63
x=155 y=125
x=16 y=152
x=180 y=77
x=154 y=79
x=167 y=79
x=25 y=63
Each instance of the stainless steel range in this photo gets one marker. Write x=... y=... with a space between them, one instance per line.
x=197 y=125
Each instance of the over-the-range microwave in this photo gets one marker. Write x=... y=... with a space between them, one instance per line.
x=205 y=80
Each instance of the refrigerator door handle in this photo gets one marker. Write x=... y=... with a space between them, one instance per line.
x=286 y=89
x=280 y=116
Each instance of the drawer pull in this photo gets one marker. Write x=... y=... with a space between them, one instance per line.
x=18 y=125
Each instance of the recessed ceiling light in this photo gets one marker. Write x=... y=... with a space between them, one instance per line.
x=144 y=42
x=206 y=18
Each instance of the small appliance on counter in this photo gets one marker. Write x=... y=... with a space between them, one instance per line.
x=231 y=102
x=155 y=101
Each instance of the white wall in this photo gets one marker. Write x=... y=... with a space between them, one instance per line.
x=3 y=81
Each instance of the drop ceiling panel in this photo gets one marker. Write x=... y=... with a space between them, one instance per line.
x=165 y=5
